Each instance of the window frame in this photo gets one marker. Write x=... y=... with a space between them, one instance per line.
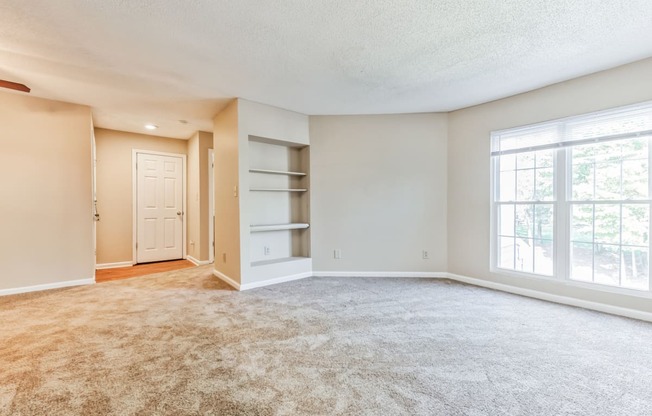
x=562 y=203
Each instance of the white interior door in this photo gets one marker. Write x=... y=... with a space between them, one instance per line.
x=159 y=191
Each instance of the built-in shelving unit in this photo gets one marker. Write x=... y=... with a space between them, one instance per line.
x=277 y=190
x=276 y=261
x=277 y=172
x=279 y=214
x=278 y=227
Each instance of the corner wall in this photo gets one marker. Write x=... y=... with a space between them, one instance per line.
x=46 y=213
x=468 y=167
x=379 y=192
x=197 y=207
x=227 y=203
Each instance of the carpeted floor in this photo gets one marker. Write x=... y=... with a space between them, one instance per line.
x=183 y=343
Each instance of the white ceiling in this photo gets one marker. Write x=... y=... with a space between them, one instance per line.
x=139 y=61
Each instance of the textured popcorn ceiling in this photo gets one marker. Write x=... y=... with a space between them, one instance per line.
x=137 y=61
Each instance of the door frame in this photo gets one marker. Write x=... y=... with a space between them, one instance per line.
x=134 y=199
x=211 y=206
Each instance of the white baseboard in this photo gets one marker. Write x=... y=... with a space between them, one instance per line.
x=276 y=280
x=226 y=279
x=197 y=262
x=47 y=286
x=426 y=275
x=113 y=265
x=600 y=307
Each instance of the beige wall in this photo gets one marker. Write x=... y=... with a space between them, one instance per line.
x=46 y=222
x=227 y=206
x=197 y=208
x=379 y=192
x=468 y=162
x=114 y=188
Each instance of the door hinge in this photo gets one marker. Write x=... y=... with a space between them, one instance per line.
x=136 y=246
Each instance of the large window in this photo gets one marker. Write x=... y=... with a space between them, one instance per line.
x=571 y=198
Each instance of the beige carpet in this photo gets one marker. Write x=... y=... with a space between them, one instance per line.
x=183 y=343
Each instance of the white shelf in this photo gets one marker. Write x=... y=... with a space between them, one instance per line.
x=278 y=227
x=277 y=172
x=277 y=261
x=277 y=190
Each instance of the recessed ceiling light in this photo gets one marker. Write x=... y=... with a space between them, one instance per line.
x=151 y=126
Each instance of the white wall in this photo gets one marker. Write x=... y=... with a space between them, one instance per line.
x=468 y=166
x=379 y=192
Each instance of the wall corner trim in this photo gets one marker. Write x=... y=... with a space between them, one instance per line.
x=47 y=286
x=113 y=265
x=197 y=262
x=565 y=300
x=226 y=279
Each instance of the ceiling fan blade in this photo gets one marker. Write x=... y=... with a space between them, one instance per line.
x=14 y=86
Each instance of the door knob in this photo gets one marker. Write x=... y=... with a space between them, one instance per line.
x=178 y=212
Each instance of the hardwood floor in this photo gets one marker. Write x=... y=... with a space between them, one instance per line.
x=107 y=275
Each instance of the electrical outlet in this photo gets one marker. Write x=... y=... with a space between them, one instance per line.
x=337 y=253
x=266 y=251
x=425 y=255
x=224 y=257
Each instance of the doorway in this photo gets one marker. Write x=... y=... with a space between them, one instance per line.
x=159 y=211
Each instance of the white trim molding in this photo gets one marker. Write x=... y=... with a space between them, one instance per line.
x=113 y=265
x=565 y=300
x=46 y=286
x=276 y=280
x=425 y=275
x=226 y=279
x=253 y=285
x=197 y=262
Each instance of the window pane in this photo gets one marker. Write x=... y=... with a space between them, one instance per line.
x=506 y=254
x=544 y=185
x=607 y=152
x=606 y=264
x=607 y=180
x=507 y=220
x=544 y=159
x=507 y=162
x=524 y=220
x=507 y=186
x=635 y=179
x=582 y=181
x=543 y=257
x=582 y=261
x=524 y=255
x=636 y=224
x=635 y=268
x=582 y=223
x=583 y=154
x=634 y=148
x=607 y=224
x=525 y=160
x=525 y=185
x=543 y=222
